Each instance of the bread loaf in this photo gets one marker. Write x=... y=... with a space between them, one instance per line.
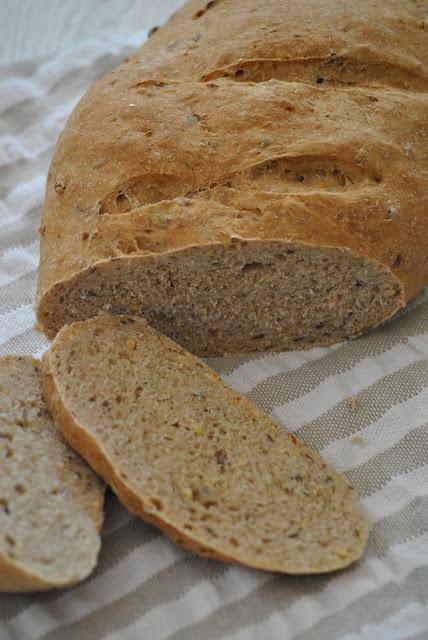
x=185 y=452
x=51 y=502
x=254 y=177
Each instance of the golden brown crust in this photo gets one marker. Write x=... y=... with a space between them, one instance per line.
x=340 y=163
x=18 y=579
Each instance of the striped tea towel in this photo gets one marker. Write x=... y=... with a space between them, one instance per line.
x=363 y=404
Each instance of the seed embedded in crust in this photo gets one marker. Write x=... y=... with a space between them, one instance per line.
x=187 y=493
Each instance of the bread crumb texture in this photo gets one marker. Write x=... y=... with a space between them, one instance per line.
x=51 y=502
x=187 y=453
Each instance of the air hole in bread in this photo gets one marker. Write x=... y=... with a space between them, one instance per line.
x=4 y=505
x=10 y=540
x=142 y=190
x=251 y=266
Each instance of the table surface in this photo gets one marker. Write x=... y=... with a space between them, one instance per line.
x=33 y=28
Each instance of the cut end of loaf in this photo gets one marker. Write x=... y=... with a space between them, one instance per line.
x=236 y=297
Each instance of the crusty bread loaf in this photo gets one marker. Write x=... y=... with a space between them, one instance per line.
x=185 y=452
x=51 y=502
x=254 y=177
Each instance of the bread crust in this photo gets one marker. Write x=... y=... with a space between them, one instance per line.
x=172 y=150
x=16 y=578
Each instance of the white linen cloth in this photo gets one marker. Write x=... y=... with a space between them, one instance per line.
x=363 y=404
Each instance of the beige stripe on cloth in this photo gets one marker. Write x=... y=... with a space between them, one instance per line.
x=363 y=403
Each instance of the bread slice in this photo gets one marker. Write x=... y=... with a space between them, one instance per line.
x=51 y=502
x=190 y=455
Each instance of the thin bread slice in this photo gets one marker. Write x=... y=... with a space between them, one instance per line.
x=188 y=454
x=51 y=502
